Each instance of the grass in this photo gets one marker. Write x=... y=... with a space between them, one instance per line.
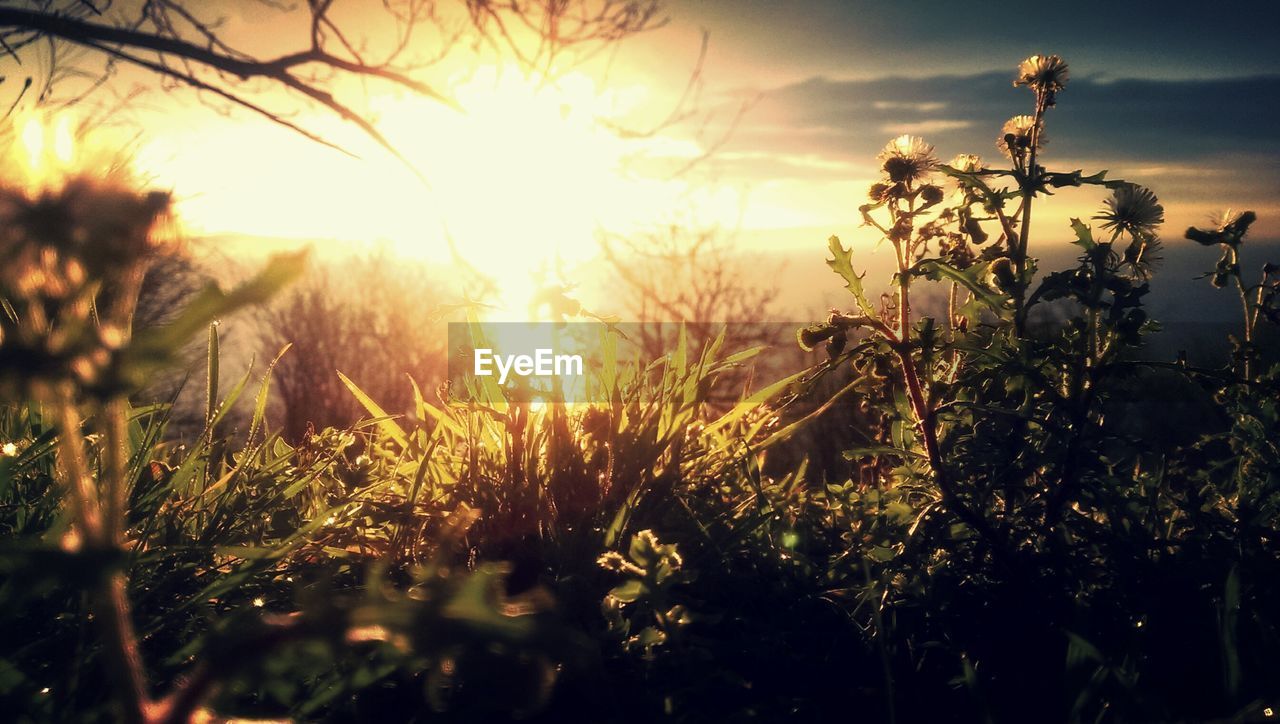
x=1024 y=523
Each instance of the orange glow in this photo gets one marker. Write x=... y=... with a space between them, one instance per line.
x=521 y=180
x=44 y=152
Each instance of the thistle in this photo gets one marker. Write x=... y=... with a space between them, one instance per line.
x=1044 y=74
x=907 y=159
x=1016 y=137
x=1132 y=210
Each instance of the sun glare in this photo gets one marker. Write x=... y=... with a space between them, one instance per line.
x=517 y=183
x=44 y=152
x=525 y=177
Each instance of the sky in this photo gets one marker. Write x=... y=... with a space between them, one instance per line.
x=919 y=38
x=1179 y=96
x=1183 y=99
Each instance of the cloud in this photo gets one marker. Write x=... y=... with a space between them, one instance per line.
x=924 y=128
x=924 y=107
x=1209 y=139
x=1133 y=118
x=1169 y=39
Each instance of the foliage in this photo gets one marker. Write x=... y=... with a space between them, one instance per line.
x=1053 y=520
x=1035 y=523
x=353 y=315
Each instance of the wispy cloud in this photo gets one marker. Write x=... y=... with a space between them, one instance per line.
x=1208 y=141
x=923 y=107
x=924 y=128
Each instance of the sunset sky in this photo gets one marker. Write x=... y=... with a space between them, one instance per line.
x=1182 y=99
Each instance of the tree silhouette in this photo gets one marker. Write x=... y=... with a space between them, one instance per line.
x=184 y=44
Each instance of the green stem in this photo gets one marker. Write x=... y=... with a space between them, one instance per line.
x=1024 y=228
x=83 y=496
x=116 y=435
x=108 y=600
x=1247 y=310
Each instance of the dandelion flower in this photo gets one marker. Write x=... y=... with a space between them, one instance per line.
x=1132 y=209
x=880 y=192
x=907 y=158
x=1015 y=136
x=1043 y=73
x=967 y=163
x=1230 y=228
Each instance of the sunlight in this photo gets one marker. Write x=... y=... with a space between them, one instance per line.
x=524 y=177
x=45 y=151
x=518 y=183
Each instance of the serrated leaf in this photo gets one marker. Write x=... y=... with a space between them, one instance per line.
x=1084 y=235
x=970 y=279
x=842 y=264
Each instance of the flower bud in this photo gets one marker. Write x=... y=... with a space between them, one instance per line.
x=1001 y=275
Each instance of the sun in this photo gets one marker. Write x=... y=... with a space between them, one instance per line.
x=523 y=179
x=517 y=183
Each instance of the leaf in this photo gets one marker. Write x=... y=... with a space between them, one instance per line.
x=881 y=554
x=211 y=389
x=1080 y=650
x=970 y=279
x=488 y=384
x=864 y=451
x=427 y=410
x=386 y=422
x=741 y=356
x=842 y=263
x=789 y=430
x=650 y=636
x=6 y=475
x=224 y=406
x=1084 y=235
x=753 y=402
x=260 y=404
x=158 y=345
x=629 y=592
x=477 y=604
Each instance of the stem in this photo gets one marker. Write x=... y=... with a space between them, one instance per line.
x=84 y=498
x=919 y=403
x=886 y=666
x=1248 y=314
x=903 y=249
x=108 y=601
x=1024 y=228
x=926 y=419
x=926 y=422
x=116 y=436
x=110 y=604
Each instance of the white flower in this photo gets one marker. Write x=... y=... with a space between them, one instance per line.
x=1015 y=136
x=907 y=158
x=967 y=163
x=1047 y=73
x=1132 y=209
